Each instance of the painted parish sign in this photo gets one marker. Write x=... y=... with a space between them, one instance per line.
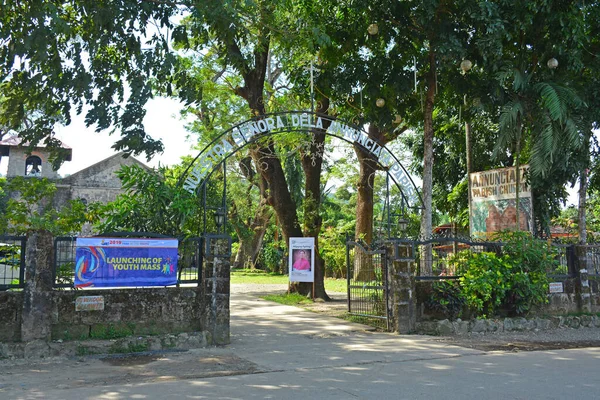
x=249 y=131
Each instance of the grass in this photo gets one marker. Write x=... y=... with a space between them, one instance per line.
x=263 y=277
x=291 y=299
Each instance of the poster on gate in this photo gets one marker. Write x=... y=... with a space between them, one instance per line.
x=119 y=262
x=302 y=259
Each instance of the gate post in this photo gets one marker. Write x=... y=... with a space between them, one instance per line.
x=216 y=282
x=36 y=321
x=402 y=287
x=582 y=285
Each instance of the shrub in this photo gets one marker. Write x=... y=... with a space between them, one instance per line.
x=532 y=260
x=484 y=282
x=514 y=282
x=447 y=298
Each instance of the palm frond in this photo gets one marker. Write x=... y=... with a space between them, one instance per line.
x=509 y=128
x=551 y=101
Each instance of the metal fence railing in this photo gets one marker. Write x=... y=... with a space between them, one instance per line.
x=189 y=262
x=441 y=258
x=12 y=262
x=368 y=291
x=64 y=262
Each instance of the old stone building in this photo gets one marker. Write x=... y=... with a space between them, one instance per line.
x=97 y=182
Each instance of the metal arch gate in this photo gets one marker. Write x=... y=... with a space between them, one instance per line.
x=368 y=288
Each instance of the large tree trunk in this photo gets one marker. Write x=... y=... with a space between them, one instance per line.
x=312 y=163
x=469 y=170
x=363 y=266
x=263 y=152
x=251 y=235
x=426 y=218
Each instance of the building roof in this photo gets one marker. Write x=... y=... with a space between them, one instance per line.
x=116 y=159
x=16 y=141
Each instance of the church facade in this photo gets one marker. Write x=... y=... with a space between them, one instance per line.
x=98 y=182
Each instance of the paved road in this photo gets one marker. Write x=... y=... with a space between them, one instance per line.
x=281 y=352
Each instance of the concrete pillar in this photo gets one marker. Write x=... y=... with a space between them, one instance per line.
x=402 y=287
x=216 y=314
x=582 y=287
x=36 y=320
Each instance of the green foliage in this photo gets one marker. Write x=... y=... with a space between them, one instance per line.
x=290 y=299
x=10 y=254
x=484 y=282
x=447 y=298
x=514 y=282
x=333 y=251
x=153 y=202
x=84 y=53
x=270 y=258
x=111 y=331
x=31 y=209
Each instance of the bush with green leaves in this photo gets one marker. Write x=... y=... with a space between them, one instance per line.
x=447 y=298
x=485 y=282
x=490 y=284
x=532 y=260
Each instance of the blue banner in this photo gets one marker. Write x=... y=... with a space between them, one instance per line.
x=119 y=262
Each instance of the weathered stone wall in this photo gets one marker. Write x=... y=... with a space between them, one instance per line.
x=216 y=302
x=11 y=306
x=401 y=280
x=460 y=327
x=126 y=312
x=34 y=321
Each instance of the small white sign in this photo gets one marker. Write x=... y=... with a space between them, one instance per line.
x=89 y=303
x=556 y=287
x=302 y=259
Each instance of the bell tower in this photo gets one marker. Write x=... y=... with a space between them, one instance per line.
x=22 y=163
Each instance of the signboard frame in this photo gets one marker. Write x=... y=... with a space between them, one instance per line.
x=301 y=257
x=492 y=202
x=125 y=262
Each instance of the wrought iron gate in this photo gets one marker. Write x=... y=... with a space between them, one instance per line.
x=368 y=290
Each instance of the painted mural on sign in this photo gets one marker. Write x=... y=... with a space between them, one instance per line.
x=119 y=262
x=493 y=202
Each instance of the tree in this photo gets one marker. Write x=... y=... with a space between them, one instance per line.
x=58 y=56
x=539 y=106
x=30 y=208
x=153 y=202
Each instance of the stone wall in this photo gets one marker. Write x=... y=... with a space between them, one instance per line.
x=11 y=306
x=459 y=327
x=34 y=319
x=148 y=311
